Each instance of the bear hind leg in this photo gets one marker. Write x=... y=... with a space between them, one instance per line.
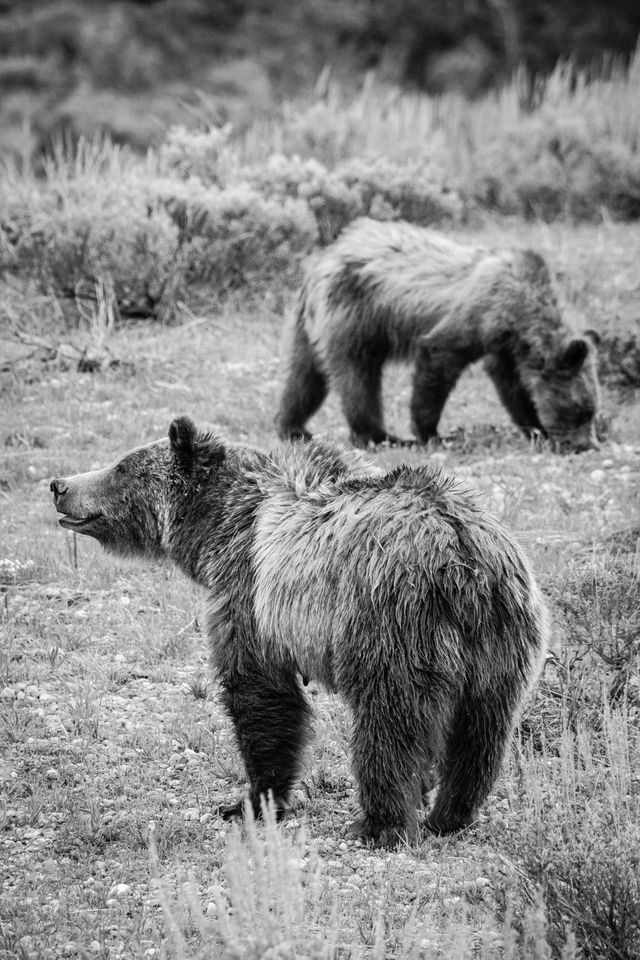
x=388 y=763
x=272 y=721
x=477 y=738
x=304 y=392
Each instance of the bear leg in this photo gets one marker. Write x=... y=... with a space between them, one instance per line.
x=387 y=765
x=501 y=369
x=304 y=391
x=272 y=721
x=477 y=738
x=360 y=389
x=435 y=375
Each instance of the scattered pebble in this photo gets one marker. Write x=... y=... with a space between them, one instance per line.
x=119 y=890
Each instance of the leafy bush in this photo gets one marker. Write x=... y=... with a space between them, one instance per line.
x=600 y=659
x=86 y=227
x=378 y=188
x=234 y=236
x=197 y=153
x=553 y=165
x=619 y=359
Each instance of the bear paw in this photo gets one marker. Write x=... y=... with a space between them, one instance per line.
x=231 y=811
x=388 y=836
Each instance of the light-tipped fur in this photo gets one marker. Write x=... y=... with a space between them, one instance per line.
x=395 y=590
x=393 y=291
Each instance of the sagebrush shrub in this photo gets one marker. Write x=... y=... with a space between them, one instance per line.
x=599 y=603
x=552 y=165
x=96 y=229
x=379 y=188
x=197 y=153
x=234 y=236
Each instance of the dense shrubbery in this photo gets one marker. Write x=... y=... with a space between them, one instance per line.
x=232 y=211
x=554 y=166
x=377 y=188
x=235 y=235
x=88 y=223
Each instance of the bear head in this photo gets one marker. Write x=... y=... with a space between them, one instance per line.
x=565 y=393
x=130 y=505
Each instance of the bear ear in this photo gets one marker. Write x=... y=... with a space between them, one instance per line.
x=182 y=437
x=574 y=355
x=196 y=450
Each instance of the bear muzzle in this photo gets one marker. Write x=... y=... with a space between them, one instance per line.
x=77 y=515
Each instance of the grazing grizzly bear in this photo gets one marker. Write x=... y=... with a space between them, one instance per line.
x=394 y=590
x=393 y=291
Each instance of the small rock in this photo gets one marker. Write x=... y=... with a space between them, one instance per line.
x=52 y=774
x=119 y=890
x=7 y=694
x=607 y=463
x=597 y=476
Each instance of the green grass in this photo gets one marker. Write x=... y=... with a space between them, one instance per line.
x=115 y=747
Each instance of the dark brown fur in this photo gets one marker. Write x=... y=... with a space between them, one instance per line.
x=388 y=291
x=395 y=590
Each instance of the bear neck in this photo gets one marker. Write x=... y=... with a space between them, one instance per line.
x=210 y=528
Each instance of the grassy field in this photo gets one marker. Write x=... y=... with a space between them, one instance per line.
x=116 y=751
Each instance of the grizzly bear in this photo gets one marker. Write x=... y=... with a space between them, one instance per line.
x=393 y=291
x=395 y=590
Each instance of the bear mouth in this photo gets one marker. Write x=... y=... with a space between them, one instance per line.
x=77 y=523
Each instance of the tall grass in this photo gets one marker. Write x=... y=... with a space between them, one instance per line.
x=393 y=123
x=277 y=904
x=242 y=211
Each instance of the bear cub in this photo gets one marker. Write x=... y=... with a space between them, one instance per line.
x=394 y=291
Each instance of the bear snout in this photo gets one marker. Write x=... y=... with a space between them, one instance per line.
x=58 y=489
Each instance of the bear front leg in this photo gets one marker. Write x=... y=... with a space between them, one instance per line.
x=501 y=367
x=438 y=365
x=272 y=721
x=360 y=388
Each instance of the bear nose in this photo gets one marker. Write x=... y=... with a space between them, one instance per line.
x=57 y=487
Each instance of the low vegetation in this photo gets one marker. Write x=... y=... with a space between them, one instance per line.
x=133 y=289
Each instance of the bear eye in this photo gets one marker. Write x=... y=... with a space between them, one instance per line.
x=120 y=468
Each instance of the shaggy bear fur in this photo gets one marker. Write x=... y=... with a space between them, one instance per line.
x=395 y=590
x=392 y=291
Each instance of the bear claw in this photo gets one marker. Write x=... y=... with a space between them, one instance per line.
x=231 y=811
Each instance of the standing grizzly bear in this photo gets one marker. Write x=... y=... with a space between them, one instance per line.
x=395 y=590
x=392 y=291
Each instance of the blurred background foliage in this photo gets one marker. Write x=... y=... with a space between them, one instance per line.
x=134 y=69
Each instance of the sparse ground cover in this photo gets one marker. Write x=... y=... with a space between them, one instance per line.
x=115 y=751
